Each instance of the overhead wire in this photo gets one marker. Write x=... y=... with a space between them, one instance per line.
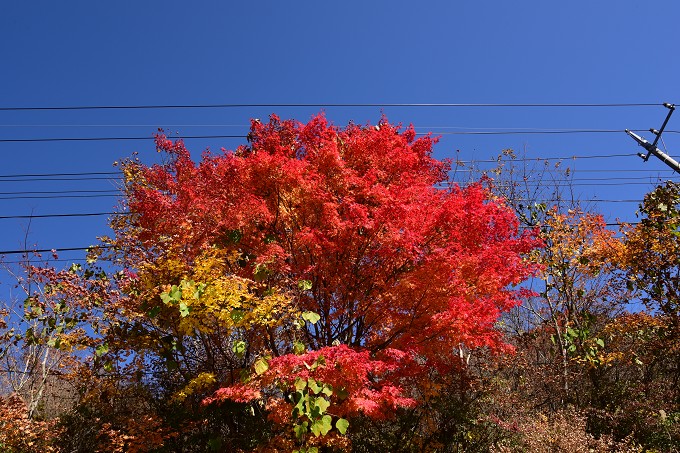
x=241 y=136
x=322 y=105
x=92 y=178
x=77 y=175
x=60 y=192
x=541 y=159
x=46 y=197
x=49 y=261
x=106 y=139
x=52 y=250
x=76 y=214
x=84 y=173
x=114 y=193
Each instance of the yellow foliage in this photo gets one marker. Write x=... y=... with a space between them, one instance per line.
x=581 y=241
x=209 y=296
x=201 y=382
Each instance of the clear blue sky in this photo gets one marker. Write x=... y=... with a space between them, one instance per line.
x=370 y=52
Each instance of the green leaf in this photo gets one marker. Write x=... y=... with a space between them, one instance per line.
x=304 y=285
x=261 y=365
x=301 y=429
x=184 y=309
x=327 y=390
x=299 y=398
x=298 y=348
x=176 y=293
x=102 y=349
x=322 y=404
x=600 y=342
x=311 y=317
x=316 y=428
x=239 y=347
x=300 y=384
x=172 y=296
x=313 y=386
x=30 y=336
x=322 y=426
x=342 y=425
x=108 y=367
x=186 y=285
x=154 y=312
x=237 y=315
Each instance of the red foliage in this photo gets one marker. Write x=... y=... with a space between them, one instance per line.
x=405 y=266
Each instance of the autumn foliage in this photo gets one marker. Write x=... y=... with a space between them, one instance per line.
x=327 y=288
x=346 y=250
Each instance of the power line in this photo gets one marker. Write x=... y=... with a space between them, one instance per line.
x=230 y=136
x=459 y=129
x=567 y=178
x=556 y=182
x=548 y=181
x=58 y=192
x=321 y=105
x=541 y=159
x=106 y=139
x=86 y=173
x=55 y=250
x=41 y=197
x=93 y=178
x=118 y=174
x=154 y=126
x=542 y=132
x=47 y=262
x=45 y=216
x=620 y=170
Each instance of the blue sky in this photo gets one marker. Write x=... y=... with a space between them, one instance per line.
x=80 y=53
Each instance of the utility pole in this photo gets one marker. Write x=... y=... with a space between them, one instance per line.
x=651 y=147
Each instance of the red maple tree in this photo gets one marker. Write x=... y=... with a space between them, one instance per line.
x=393 y=267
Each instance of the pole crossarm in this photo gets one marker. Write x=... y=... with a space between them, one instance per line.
x=651 y=147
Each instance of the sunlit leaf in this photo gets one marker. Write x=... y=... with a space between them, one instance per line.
x=341 y=424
